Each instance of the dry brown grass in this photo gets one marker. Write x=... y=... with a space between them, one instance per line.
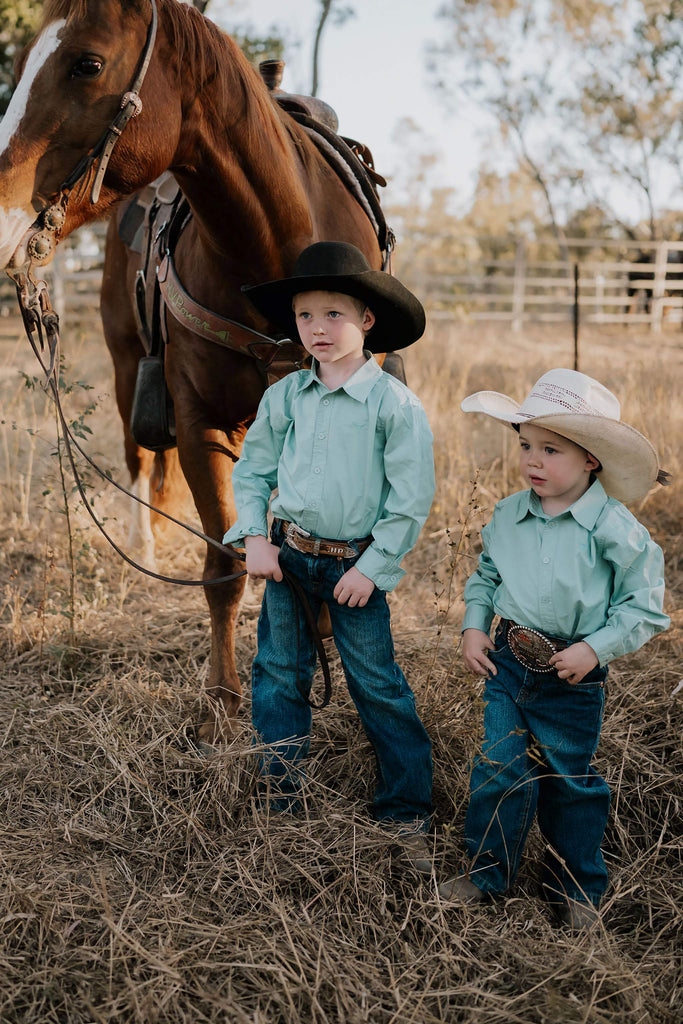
x=139 y=881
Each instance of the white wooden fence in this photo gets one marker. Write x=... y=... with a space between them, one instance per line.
x=612 y=282
x=618 y=282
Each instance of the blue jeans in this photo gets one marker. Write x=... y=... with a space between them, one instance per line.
x=540 y=735
x=384 y=700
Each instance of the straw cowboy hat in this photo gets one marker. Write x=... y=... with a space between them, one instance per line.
x=584 y=411
x=341 y=267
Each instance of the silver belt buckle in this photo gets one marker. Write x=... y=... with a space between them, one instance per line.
x=531 y=648
x=292 y=532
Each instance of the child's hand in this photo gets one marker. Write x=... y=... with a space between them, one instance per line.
x=475 y=644
x=262 y=559
x=574 y=662
x=353 y=589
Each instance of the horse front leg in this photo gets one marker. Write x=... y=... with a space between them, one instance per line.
x=207 y=462
x=223 y=687
x=140 y=536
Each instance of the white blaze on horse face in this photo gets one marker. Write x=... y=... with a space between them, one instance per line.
x=16 y=219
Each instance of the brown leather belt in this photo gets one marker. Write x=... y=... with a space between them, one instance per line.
x=531 y=648
x=298 y=539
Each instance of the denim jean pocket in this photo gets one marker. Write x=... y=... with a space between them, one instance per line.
x=499 y=639
x=594 y=680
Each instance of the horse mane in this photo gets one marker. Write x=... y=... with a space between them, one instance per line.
x=72 y=10
x=216 y=59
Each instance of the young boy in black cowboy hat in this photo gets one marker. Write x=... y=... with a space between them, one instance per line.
x=576 y=581
x=349 y=450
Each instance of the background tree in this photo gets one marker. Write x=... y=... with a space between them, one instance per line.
x=256 y=46
x=18 y=22
x=339 y=16
x=584 y=96
x=631 y=103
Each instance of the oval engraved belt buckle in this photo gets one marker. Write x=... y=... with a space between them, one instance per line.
x=532 y=649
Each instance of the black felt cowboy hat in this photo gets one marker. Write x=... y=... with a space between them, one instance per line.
x=341 y=267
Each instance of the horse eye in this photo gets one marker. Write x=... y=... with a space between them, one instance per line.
x=87 y=67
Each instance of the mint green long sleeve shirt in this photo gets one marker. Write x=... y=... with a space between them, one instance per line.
x=349 y=463
x=590 y=573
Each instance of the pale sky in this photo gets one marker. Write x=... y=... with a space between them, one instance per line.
x=372 y=71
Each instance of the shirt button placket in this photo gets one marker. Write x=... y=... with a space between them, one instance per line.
x=545 y=579
x=316 y=479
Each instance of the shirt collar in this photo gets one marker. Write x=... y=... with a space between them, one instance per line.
x=358 y=386
x=585 y=511
x=529 y=504
x=589 y=506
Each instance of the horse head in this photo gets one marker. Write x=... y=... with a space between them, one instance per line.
x=72 y=97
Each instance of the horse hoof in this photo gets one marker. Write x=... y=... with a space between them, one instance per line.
x=206 y=750
x=213 y=732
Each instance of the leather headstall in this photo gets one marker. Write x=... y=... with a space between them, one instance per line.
x=45 y=232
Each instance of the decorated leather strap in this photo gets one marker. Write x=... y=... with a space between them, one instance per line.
x=305 y=542
x=278 y=357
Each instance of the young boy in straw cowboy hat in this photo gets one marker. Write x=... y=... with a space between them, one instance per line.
x=576 y=581
x=350 y=451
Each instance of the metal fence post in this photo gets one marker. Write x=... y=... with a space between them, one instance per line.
x=576 y=316
x=657 y=311
x=518 y=286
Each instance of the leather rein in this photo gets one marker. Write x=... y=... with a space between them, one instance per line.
x=40 y=319
x=41 y=324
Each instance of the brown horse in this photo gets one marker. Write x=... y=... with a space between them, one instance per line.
x=259 y=190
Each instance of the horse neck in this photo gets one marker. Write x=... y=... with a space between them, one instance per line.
x=238 y=166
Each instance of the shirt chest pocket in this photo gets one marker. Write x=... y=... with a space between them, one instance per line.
x=365 y=430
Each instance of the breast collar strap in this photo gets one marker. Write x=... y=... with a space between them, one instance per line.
x=203 y=322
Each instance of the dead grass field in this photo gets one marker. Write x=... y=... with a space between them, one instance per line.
x=139 y=882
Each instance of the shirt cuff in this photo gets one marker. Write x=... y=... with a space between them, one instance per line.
x=477 y=616
x=384 y=572
x=605 y=645
x=247 y=526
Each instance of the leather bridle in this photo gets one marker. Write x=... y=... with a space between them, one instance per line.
x=46 y=229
